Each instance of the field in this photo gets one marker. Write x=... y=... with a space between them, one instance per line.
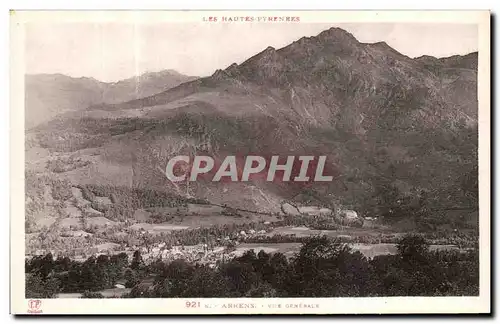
x=157 y=228
x=347 y=232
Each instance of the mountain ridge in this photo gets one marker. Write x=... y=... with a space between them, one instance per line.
x=48 y=95
x=249 y=70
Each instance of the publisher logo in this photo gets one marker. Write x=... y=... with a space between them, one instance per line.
x=34 y=306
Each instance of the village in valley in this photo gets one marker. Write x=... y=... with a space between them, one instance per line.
x=86 y=232
x=85 y=223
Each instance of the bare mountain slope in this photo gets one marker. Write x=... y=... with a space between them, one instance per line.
x=48 y=95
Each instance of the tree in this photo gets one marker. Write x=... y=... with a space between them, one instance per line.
x=391 y=204
x=62 y=264
x=413 y=247
x=137 y=261
x=120 y=260
x=36 y=287
x=174 y=279
x=326 y=267
x=131 y=278
x=263 y=290
x=206 y=282
x=41 y=265
x=469 y=184
x=93 y=275
x=241 y=276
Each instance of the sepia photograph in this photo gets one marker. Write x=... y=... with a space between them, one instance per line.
x=250 y=162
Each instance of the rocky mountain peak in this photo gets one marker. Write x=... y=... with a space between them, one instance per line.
x=337 y=35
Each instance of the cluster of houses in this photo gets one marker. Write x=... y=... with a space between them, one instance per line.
x=200 y=253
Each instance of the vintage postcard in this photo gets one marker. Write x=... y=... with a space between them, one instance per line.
x=220 y=162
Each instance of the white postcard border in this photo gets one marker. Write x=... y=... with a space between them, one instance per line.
x=374 y=305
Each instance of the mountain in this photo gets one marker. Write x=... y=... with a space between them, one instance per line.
x=326 y=78
x=48 y=95
x=396 y=131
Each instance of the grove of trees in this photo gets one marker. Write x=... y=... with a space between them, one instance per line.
x=322 y=268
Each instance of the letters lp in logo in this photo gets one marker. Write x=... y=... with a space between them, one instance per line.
x=34 y=305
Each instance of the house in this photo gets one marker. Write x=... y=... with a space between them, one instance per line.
x=349 y=214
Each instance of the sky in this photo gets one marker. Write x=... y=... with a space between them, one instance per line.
x=114 y=51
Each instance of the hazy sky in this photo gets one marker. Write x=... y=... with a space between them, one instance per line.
x=115 y=51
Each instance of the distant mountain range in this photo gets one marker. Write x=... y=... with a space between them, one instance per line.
x=389 y=124
x=48 y=95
